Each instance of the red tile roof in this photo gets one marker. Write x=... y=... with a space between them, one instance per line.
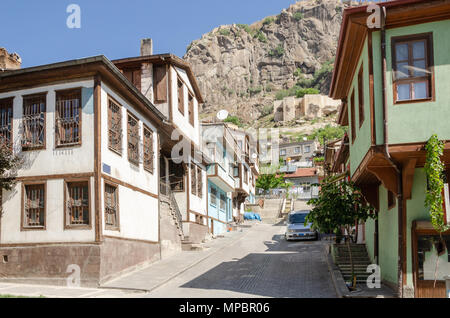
x=302 y=172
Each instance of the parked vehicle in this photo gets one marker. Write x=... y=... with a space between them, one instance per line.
x=296 y=228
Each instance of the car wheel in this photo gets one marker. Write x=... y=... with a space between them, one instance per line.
x=285 y=237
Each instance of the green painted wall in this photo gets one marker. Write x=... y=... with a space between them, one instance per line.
x=416 y=122
x=362 y=142
x=369 y=233
x=388 y=238
x=416 y=210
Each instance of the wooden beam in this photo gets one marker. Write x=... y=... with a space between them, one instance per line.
x=387 y=176
x=408 y=177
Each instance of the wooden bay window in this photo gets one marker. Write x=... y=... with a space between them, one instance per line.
x=412 y=58
x=133 y=139
x=180 y=93
x=68 y=118
x=114 y=126
x=191 y=109
x=33 y=121
x=148 y=149
x=361 y=95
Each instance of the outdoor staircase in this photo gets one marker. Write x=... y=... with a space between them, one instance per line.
x=288 y=206
x=360 y=260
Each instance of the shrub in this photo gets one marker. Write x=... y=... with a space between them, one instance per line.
x=244 y=27
x=267 y=110
x=261 y=37
x=234 y=120
x=255 y=90
x=268 y=20
x=277 y=52
x=298 y=16
x=298 y=72
x=224 y=32
x=306 y=91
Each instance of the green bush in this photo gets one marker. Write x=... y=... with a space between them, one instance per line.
x=298 y=16
x=224 y=32
x=267 y=110
x=277 y=52
x=306 y=91
x=298 y=72
x=261 y=37
x=268 y=20
x=234 y=120
x=255 y=90
x=328 y=133
x=245 y=27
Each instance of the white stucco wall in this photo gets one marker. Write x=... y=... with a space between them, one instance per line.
x=197 y=204
x=54 y=160
x=138 y=211
x=182 y=122
x=54 y=233
x=121 y=167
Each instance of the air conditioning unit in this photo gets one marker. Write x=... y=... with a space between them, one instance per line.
x=446 y=203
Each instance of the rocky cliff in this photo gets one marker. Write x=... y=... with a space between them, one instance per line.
x=244 y=68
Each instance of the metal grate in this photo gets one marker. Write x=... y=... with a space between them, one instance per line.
x=78 y=203
x=133 y=139
x=68 y=118
x=34 y=205
x=111 y=206
x=34 y=122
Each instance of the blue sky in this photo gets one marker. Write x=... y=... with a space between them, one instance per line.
x=37 y=29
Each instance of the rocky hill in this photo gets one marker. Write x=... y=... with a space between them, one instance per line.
x=244 y=68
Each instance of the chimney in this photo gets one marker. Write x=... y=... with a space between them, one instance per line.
x=9 y=61
x=146 y=47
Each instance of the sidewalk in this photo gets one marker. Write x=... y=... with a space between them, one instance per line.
x=161 y=272
x=137 y=283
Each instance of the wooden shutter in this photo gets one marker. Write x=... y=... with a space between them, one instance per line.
x=191 y=109
x=137 y=79
x=160 y=84
x=180 y=91
x=199 y=182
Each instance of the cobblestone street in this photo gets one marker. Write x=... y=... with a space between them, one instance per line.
x=261 y=264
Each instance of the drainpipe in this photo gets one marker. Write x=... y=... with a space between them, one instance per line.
x=385 y=150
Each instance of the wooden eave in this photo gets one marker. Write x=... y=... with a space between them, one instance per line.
x=342 y=155
x=81 y=69
x=354 y=30
x=342 y=118
x=167 y=58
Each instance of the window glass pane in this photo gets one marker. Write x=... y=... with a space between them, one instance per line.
x=403 y=91
x=419 y=68
x=401 y=51
x=420 y=90
x=419 y=50
x=402 y=70
x=427 y=257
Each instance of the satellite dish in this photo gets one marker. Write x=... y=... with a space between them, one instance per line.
x=254 y=156
x=222 y=115
x=305 y=139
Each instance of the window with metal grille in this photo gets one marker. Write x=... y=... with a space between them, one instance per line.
x=6 y=115
x=413 y=67
x=111 y=207
x=180 y=97
x=34 y=206
x=77 y=203
x=199 y=182
x=191 y=109
x=193 y=179
x=148 y=150
x=68 y=118
x=114 y=126
x=245 y=175
x=34 y=113
x=133 y=139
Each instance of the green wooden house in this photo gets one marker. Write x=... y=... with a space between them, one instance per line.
x=392 y=73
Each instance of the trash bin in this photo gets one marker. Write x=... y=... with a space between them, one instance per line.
x=447 y=285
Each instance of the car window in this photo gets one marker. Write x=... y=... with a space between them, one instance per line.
x=297 y=218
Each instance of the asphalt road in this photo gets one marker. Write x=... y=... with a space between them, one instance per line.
x=261 y=264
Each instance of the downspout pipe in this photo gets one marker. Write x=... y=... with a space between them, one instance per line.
x=385 y=150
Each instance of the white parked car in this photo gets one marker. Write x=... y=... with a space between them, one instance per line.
x=296 y=228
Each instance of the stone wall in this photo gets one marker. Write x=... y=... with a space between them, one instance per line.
x=9 y=61
x=309 y=107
